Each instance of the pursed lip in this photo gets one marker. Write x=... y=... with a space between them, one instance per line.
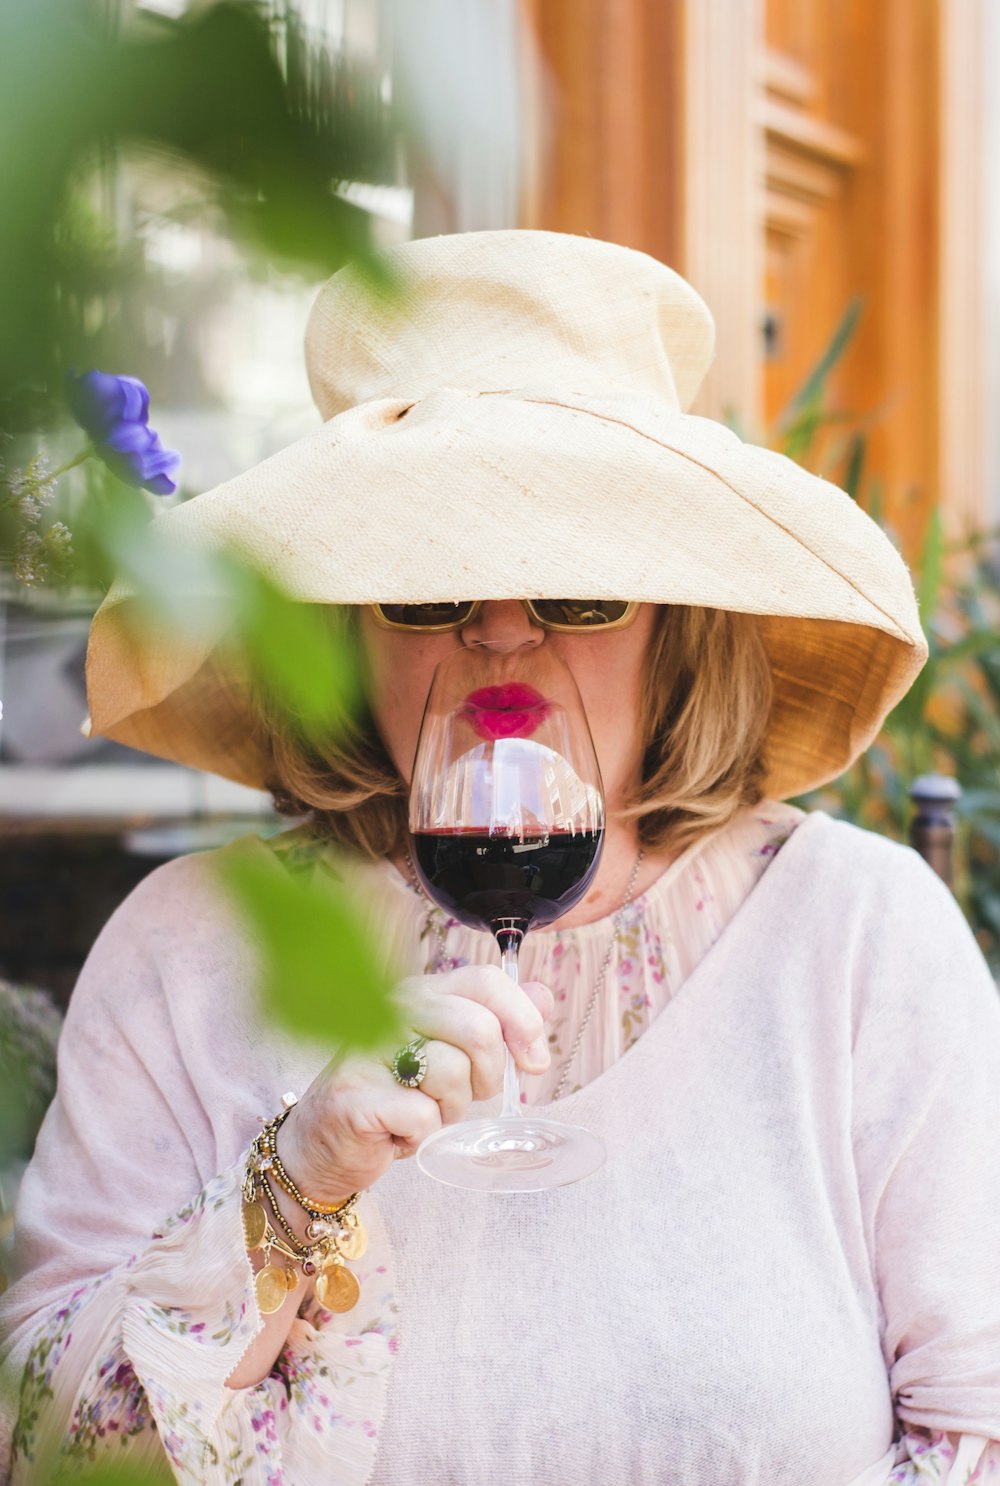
x=511 y=710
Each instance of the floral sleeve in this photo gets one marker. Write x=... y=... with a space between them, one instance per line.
x=125 y=1322
x=137 y=1360
x=934 y=1458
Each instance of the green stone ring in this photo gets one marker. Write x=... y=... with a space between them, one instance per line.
x=410 y=1064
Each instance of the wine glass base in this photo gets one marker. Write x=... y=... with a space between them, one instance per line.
x=512 y=1154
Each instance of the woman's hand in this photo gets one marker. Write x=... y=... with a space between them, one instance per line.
x=355 y=1119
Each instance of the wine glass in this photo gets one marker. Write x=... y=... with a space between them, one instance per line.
x=506 y=828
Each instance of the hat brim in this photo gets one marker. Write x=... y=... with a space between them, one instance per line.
x=525 y=494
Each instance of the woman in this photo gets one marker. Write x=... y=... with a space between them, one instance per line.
x=780 y=1026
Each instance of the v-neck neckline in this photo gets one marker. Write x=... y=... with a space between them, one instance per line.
x=771 y=882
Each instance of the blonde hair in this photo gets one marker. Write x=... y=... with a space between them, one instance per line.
x=705 y=710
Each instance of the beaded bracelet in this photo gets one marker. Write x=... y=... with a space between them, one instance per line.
x=335 y=1233
x=303 y=1252
x=268 y=1140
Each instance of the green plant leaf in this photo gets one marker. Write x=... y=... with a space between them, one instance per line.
x=975 y=645
x=299 y=651
x=931 y=558
x=811 y=392
x=308 y=667
x=855 y=465
x=322 y=976
x=74 y=1472
x=979 y=803
x=731 y=418
x=261 y=149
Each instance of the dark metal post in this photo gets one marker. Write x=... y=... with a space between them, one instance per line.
x=932 y=829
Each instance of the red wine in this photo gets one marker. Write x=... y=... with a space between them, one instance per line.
x=489 y=882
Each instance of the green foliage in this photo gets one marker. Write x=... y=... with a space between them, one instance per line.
x=246 y=124
x=29 y=1031
x=322 y=977
x=320 y=973
x=306 y=667
x=206 y=96
x=949 y=720
x=111 y=1472
x=296 y=651
x=253 y=130
x=807 y=413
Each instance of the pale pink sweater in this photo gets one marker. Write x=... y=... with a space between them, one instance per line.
x=788 y=1272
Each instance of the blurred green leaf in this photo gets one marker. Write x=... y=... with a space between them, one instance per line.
x=973 y=646
x=296 y=650
x=977 y=803
x=731 y=418
x=949 y=720
x=320 y=973
x=322 y=977
x=806 y=401
x=929 y=586
x=855 y=466
x=29 y=1033
x=110 y=1472
x=208 y=94
x=313 y=676
x=989 y=910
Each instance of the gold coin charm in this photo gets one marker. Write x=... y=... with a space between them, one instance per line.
x=353 y=1243
x=291 y=1278
x=337 y=1289
x=254 y=1224
x=271 y=1289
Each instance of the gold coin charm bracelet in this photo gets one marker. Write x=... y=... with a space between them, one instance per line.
x=334 y=1231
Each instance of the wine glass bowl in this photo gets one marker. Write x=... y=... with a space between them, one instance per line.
x=506 y=823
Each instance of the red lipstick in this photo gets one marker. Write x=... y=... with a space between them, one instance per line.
x=513 y=710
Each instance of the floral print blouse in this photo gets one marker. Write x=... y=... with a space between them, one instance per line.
x=133 y=1359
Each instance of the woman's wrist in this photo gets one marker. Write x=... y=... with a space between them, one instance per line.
x=290 y=1227
x=296 y=1178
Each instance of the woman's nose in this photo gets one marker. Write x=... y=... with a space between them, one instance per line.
x=502 y=624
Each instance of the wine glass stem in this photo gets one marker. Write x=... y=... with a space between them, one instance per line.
x=510 y=943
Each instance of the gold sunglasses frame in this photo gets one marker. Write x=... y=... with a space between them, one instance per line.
x=631 y=609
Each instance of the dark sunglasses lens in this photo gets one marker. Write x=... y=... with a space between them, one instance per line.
x=425 y=616
x=580 y=613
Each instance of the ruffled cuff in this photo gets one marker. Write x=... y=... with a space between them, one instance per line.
x=150 y=1342
x=190 y=1313
x=141 y=1355
x=316 y=1417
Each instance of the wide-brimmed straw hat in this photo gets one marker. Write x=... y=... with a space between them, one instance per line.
x=512 y=424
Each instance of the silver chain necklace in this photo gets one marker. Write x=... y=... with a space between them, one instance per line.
x=602 y=974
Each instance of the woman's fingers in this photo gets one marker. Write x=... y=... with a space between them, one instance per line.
x=541 y=996
x=410 y=1116
x=355 y=1118
x=448 y=1080
x=473 y=1032
x=450 y=1007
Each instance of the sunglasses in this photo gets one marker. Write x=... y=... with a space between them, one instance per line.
x=565 y=616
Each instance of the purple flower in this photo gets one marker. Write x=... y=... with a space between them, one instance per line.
x=114 y=411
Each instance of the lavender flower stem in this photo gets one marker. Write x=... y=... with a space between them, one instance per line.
x=85 y=453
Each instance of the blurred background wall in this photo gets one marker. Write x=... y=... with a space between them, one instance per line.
x=811 y=166
x=788 y=156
